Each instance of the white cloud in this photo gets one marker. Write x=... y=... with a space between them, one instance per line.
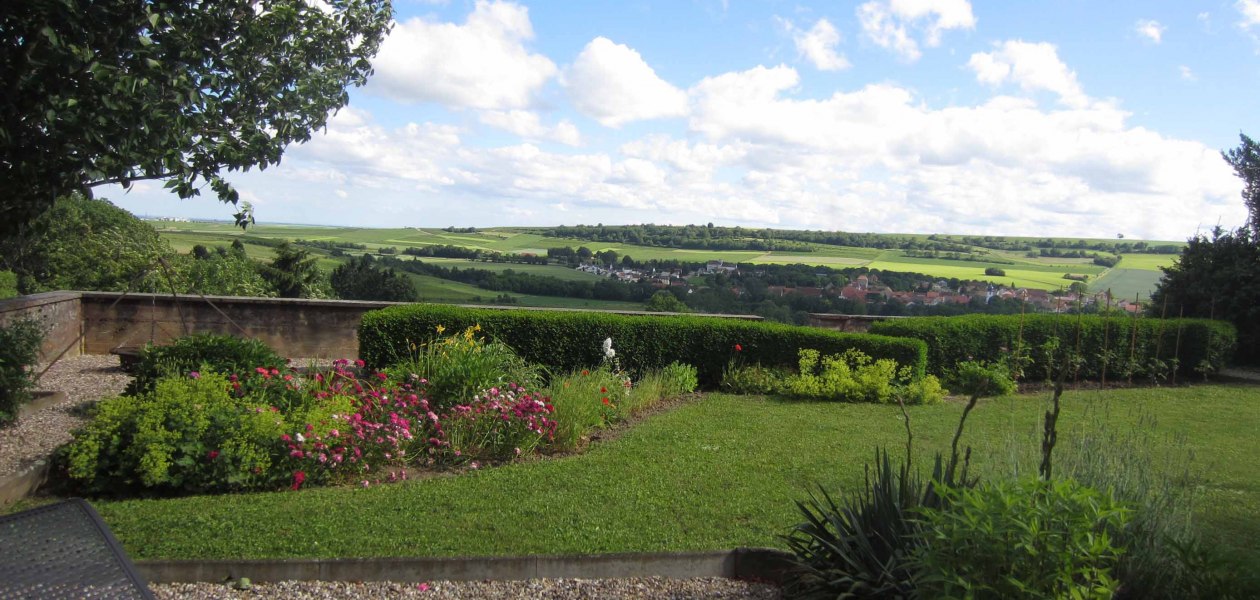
x=1150 y=29
x=1031 y=66
x=612 y=84
x=818 y=45
x=1250 y=10
x=1187 y=74
x=879 y=157
x=528 y=124
x=483 y=63
x=891 y=24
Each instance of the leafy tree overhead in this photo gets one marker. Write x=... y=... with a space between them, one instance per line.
x=361 y=279
x=116 y=91
x=83 y=244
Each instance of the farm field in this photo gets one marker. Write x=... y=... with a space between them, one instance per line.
x=1137 y=273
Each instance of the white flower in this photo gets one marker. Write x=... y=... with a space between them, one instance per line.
x=610 y=353
x=607 y=345
x=300 y=438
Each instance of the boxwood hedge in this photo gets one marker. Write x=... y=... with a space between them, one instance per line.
x=1205 y=345
x=572 y=340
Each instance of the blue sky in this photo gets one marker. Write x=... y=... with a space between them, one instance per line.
x=1068 y=118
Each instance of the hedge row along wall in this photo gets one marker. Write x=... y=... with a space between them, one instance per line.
x=565 y=341
x=1204 y=344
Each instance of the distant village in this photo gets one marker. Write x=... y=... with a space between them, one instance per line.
x=868 y=288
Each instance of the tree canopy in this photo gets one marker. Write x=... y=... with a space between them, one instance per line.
x=1246 y=162
x=116 y=91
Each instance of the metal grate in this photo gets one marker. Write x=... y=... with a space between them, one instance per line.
x=64 y=550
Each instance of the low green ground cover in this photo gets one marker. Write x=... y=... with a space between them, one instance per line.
x=716 y=473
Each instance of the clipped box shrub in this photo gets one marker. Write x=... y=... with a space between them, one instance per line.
x=220 y=353
x=19 y=352
x=565 y=341
x=1204 y=347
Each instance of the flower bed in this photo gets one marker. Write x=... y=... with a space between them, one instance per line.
x=199 y=431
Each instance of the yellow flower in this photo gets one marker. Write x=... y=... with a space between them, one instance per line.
x=440 y=329
x=477 y=327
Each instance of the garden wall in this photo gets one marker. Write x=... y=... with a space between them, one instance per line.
x=62 y=316
x=96 y=322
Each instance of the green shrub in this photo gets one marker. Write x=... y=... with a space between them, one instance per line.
x=19 y=353
x=679 y=378
x=219 y=353
x=979 y=379
x=568 y=341
x=754 y=379
x=8 y=285
x=189 y=435
x=1105 y=343
x=1020 y=539
x=457 y=367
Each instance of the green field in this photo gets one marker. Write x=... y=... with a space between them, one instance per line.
x=557 y=271
x=718 y=473
x=1131 y=276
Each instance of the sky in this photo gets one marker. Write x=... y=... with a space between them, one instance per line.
x=1071 y=118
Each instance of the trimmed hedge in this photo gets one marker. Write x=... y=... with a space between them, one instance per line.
x=564 y=341
x=1205 y=344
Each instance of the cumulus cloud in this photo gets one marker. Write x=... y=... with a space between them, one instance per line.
x=1250 y=10
x=899 y=25
x=1150 y=29
x=1187 y=74
x=529 y=125
x=612 y=84
x=483 y=63
x=1031 y=66
x=818 y=45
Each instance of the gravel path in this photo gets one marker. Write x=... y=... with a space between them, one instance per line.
x=551 y=589
x=84 y=379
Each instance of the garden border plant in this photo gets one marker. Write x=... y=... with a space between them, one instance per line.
x=560 y=341
x=19 y=352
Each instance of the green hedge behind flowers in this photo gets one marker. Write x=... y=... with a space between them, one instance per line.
x=566 y=341
x=1204 y=347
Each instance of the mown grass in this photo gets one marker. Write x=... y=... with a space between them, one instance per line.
x=717 y=473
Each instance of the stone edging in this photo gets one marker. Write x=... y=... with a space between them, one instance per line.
x=40 y=401
x=17 y=487
x=760 y=564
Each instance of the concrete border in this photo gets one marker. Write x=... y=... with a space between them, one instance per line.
x=40 y=401
x=762 y=564
x=20 y=486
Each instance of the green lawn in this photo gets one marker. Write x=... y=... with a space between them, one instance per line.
x=716 y=473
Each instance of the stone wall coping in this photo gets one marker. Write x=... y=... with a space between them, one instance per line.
x=36 y=300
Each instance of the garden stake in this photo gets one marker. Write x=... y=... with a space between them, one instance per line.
x=1106 y=355
x=1076 y=359
x=1177 y=346
x=1159 y=338
x=1133 y=342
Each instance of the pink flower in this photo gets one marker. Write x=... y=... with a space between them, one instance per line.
x=298 y=478
x=366 y=483
x=360 y=363
x=194 y=375
x=424 y=587
x=474 y=465
x=739 y=348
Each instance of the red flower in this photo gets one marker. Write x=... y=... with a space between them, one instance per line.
x=298 y=478
x=213 y=454
x=605 y=399
x=585 y=372
x=603 y=390
x=739 y=348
